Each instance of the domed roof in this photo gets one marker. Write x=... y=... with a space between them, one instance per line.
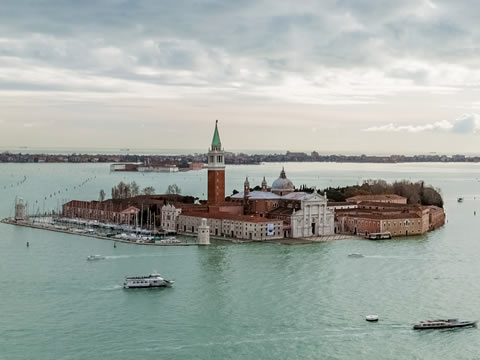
x=282 y=183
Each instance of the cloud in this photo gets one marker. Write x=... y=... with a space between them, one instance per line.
x=333 y=52
x=466 y=124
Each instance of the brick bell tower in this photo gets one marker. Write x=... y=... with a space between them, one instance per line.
x=216 y=171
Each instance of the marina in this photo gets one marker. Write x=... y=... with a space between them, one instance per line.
x=255 y=298
x=132 y=238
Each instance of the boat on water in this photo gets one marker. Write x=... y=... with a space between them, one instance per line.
x=169 y=240
x=355 y=255
x=95 y=257
x=146 y=282
x=371 y=318
x=379 y=236
x=460 y=199
x=443 y=324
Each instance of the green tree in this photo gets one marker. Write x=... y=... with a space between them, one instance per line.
x=149 y=190
x=174 y=189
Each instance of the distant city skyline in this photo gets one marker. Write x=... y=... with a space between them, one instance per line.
x=374 y=77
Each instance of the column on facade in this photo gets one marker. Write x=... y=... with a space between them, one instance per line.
x=304 y=219
x=324 y=217
x=309 y=228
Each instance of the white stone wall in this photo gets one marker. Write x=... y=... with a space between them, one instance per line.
x=313 y=219
x=237 y=229
x=169 y=216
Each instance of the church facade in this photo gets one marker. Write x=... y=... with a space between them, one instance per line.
x=273 y=213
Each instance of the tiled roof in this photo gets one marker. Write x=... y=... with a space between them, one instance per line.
x=377 y=216
x=376 y=197
x=257 y=195
x=281 y=211
x=226 y=216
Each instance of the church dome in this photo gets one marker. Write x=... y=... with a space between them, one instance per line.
x=282 y=184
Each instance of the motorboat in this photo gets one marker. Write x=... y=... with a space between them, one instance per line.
x=379 y=236
x=443 y=324
x=371 y=318
x=460 y=199
x=355 y=255
x=95 y=257
x=144 y=282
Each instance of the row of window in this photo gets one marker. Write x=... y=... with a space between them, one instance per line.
x=219 y=158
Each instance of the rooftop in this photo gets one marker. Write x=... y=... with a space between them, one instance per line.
x=227 y=216
x=376 y=197
x=256 y=195
x=216 y=143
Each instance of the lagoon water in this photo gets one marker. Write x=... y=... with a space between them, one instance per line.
x=230 y=301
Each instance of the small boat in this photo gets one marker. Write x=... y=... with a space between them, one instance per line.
x=379 y=236
x=371 y=318
x=443 y=324
x=460 y=199
x=355 y=255
x=170 y=240
x=95 y=257
x=144 y=282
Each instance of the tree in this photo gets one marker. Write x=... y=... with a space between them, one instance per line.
x=149 y=190
x=174 y=189
x=134 y=189
x=125 y=191
x=101 y=196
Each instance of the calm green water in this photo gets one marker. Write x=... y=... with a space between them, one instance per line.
x=252 y=301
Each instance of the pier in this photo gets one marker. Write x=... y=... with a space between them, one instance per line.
x=71 y=231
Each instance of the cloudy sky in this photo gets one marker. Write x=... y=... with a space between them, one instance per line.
x=333 y=76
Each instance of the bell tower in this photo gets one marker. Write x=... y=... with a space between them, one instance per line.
x=216 y=170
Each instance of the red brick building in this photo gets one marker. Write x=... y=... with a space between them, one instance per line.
x=384 y=198
x=397 y=218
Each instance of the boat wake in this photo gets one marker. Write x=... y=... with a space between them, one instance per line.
x=113 y=257
x=111 y=288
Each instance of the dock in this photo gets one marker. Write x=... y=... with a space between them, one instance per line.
x=95 y=236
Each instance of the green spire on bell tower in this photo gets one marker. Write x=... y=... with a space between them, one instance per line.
x=216 y=143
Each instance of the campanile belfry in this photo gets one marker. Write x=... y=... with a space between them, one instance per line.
x=216 y=171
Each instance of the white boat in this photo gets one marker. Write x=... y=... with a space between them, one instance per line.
x=371 y=318
x=95 y=257
x=379 y=236
x=170 y=240
x=443 y=324
x=145 y=282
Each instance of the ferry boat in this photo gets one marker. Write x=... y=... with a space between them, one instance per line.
x=443 y=324
x=379 y=236
x=149 y=281
x=95 y=257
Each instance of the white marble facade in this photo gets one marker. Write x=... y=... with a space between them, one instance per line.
x=313 y=218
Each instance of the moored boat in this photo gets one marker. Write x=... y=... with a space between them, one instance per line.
x=144 y=282
x=379 y=236
x=443 y=324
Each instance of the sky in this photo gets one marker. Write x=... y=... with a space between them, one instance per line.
x=335 y=76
